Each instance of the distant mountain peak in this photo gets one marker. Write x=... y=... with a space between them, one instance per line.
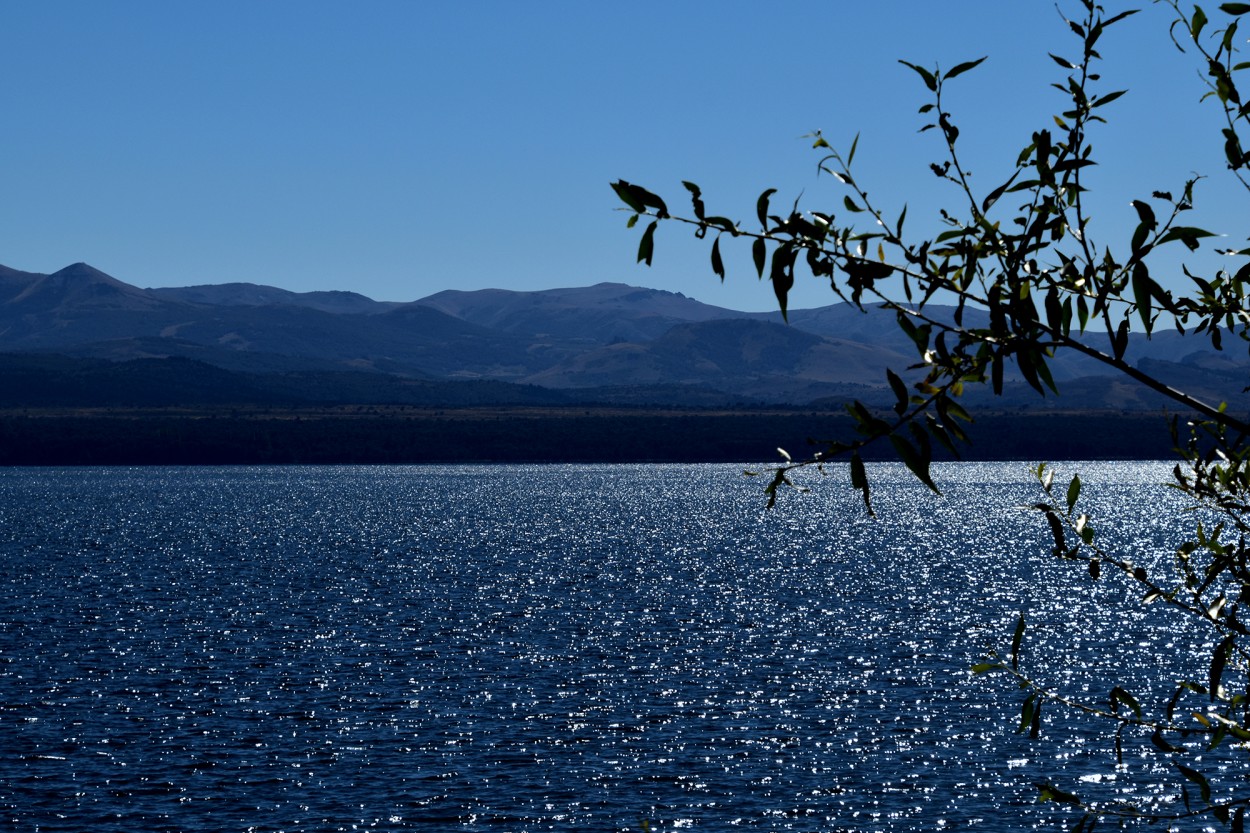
x=83 y=271
x=81 y=285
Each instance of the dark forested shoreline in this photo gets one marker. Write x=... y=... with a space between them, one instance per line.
x=405 y=435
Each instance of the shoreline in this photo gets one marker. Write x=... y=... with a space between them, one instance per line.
x=411 y=435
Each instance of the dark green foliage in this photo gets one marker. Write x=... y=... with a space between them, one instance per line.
x=1021 y=253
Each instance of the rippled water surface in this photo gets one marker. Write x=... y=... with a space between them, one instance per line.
x=527 y=648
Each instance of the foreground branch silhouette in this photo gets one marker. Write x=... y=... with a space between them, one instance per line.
x=1022 y=253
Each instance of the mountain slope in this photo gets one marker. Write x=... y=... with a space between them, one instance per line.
x=254 y=295
x=766 y=361
x=612 y=340
x=602 y=314
x=83 y=310
x=54 y=381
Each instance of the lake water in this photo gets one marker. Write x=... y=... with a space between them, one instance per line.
x=573 y=648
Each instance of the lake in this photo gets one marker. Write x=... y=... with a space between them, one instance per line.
x=572 y=648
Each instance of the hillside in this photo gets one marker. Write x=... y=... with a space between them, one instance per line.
x=607 y=343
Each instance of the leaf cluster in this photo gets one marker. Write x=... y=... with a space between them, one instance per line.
x=1023 y=253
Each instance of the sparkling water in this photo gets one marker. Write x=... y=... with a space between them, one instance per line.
x=575 y=648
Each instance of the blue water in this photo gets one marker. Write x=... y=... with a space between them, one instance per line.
x=526 y=648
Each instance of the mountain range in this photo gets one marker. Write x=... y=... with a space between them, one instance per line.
x=81 y=337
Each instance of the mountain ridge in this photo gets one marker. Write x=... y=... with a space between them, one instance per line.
x=622 y=341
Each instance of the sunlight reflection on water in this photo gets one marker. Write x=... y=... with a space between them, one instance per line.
x=550 y=648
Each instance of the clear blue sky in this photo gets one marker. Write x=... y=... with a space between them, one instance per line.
x=401 y=148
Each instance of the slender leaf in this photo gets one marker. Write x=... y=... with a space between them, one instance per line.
x=1027 y=709
x=1204 y=786
x=1056 y=531
x=859 y=480
x=1120 y=696
x=1119 y=341
x=938 y=430
x=1160 y=742
x=915 y=459
x=1049 y=792
x=696 y=198
x=639 y=198
x=1108 y=98
x=1198 y=21
x=1218 y=660
x=1186 y=234
x=993 y=196
x=1118 y=17
x=1025 y=363
x=761 y=210
x=626 y=192
x=646 y=246
x=782 y=276
x=900 y=391
x=1145 y=213
x=1016 y=639
x=1144 y=289
x=930 y=80
x=960 y=69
